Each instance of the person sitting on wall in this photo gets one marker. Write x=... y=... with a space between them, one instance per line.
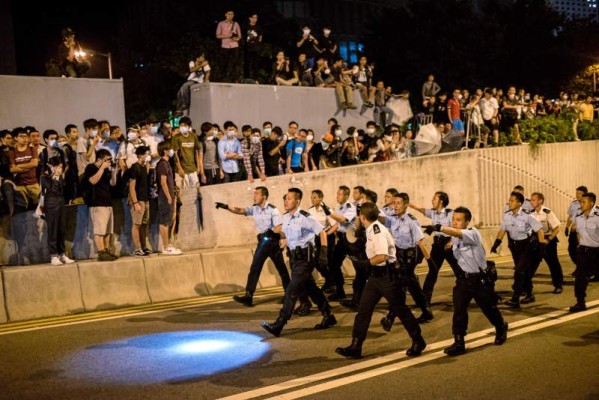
x=199 y=72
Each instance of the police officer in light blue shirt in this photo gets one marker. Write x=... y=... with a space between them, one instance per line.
x=268 y=221
x=526 y=204
x=587 y=254
x=573 y=211
x=409 y=241
x=439 y=214
x=299 y=231
x=472 y=281
x=522 y=229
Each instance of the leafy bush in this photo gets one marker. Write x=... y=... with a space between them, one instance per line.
x=556 y=129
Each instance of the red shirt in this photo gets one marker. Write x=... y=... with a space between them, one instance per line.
x=453 y=105
x=23 y=157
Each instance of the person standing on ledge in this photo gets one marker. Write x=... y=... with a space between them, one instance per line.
x=268 y=222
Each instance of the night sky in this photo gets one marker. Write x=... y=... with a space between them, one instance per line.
x=38 y=27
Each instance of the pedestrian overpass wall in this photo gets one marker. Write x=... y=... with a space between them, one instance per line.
x=218 y=252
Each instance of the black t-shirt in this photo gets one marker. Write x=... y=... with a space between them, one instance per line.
x=252 y=35
x=271 y=163
x=140 y=174
x=101 y=195
x=307 y=48
x=163 y=168
x=440 y=115
x=5 y=163
x=327 y=44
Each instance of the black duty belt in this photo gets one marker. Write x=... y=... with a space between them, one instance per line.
x=588 y=249
x=270 y=235
x=380 y=271
x=300 y=253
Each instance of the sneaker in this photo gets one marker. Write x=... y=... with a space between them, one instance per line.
x=65 y=260
x=55 y=261
x=171 y=251
x=147 y=251
x=139 y=253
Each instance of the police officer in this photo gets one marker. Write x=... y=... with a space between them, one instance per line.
x=551 y=224
x=268 y=222
x=520 y=226
x=298 y=231
x=473 y=281
x=573 y=212
x=383 y=281
x=526 y=206
x=409 y=240
x=587 y=254
x=344 y=214
x=388 y=208
x=439 y=214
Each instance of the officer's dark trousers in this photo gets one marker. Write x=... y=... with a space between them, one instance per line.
x=55 y=221
x=302 y=281
x=572 y=245
x=587 y=258
x=339 y=256
x=438 y=256
x=323 y=270
x=360 y=279
x=267 y=247
x=555 y=268
x=522 y=255
x=468 y=288
x=389 y=287
x=410 y=280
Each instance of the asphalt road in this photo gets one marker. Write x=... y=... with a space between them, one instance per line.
x=211 y=348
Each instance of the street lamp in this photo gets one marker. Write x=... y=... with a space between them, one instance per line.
x=81 y=54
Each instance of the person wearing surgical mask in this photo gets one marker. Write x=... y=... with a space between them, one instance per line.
x=296 y=150
x=509 y=114
x=229 y=151
x=51 y=150
x=126 y=156
x=308 y=45
x=314 y=151
x=212 y=172
x=251 y=147
x=139 y=201
x=167 y=198
x=188 y=156
x=328 y=46
x=333 y=149
x=86 y=145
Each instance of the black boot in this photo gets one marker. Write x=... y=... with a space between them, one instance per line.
x=501 y=334
x=303 y=309
x=418 y=345
x=529 y=298
x=328 y=319
x=458 y=347
x=354 y=350
x=387 y=322
x=276 y=327
x=351 y=304
x=426 y=316
x=514 y=302
x=579 y=306
x=246 y=300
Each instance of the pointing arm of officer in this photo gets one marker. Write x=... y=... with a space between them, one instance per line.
x=421 y=210
x=234 y=210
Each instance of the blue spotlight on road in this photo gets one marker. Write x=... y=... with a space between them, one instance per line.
x=164 y=357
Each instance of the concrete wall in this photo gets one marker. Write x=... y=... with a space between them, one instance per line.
x=52 y=103
x=253 y=104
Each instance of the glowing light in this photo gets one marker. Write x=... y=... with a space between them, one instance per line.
x=164 y=357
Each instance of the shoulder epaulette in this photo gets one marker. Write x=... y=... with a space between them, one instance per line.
x=596 y=212
x=448 y=210
x=376 y=229
x=579 y=214
x=305 y=213
x=411 y=216
x=547 y=211
x=271 y=205
x=348 y=205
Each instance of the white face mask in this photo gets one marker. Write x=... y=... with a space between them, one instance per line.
x=370 y=131
x=230 y=134
x=184 y=130
x=338 y=132
x=52 y=143
x=61 y=144
x=306 y=32
x=106 y=134
x=210 y=138
x=255 y=139
x=325 y=145
x=460 y=97
x=132 y=136
x=326 y=32
x=388 y=138
x=171 y=153
x=310 y=138
x=93 y=133
x=153 y=130
x=148 y=158
x=267 y=131
x=215 y=132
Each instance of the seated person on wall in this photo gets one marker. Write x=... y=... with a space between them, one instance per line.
x=322 y=73
x=199 y=72
x=383 y=115
x=304 y=71
x=23 y=162
x=71 y=56
x=343 y=85
x=362 y=75
x=282 y=72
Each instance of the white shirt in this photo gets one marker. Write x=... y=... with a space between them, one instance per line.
x=488 y=107
x=379 y=242
x=325 y=220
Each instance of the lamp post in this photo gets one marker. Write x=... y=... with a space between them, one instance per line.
x=108 y=56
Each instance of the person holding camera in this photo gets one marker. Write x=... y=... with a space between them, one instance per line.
x=102 y=175
x=473 y=280
x=71 y=56
x=229 y=33
x=282 y=71
x=307 y=45
x=268 y=222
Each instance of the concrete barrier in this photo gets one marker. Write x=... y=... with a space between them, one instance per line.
x=226 y=270
x=106 y=285
x=3 y=316
x=171 y=278
x=42 y=291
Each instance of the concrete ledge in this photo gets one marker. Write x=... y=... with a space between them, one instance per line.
x=175 y=277
x=3 y=317
x=226 y=271
x=42 y=291
x=107 y=285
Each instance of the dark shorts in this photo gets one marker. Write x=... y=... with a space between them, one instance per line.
x=166 y=212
